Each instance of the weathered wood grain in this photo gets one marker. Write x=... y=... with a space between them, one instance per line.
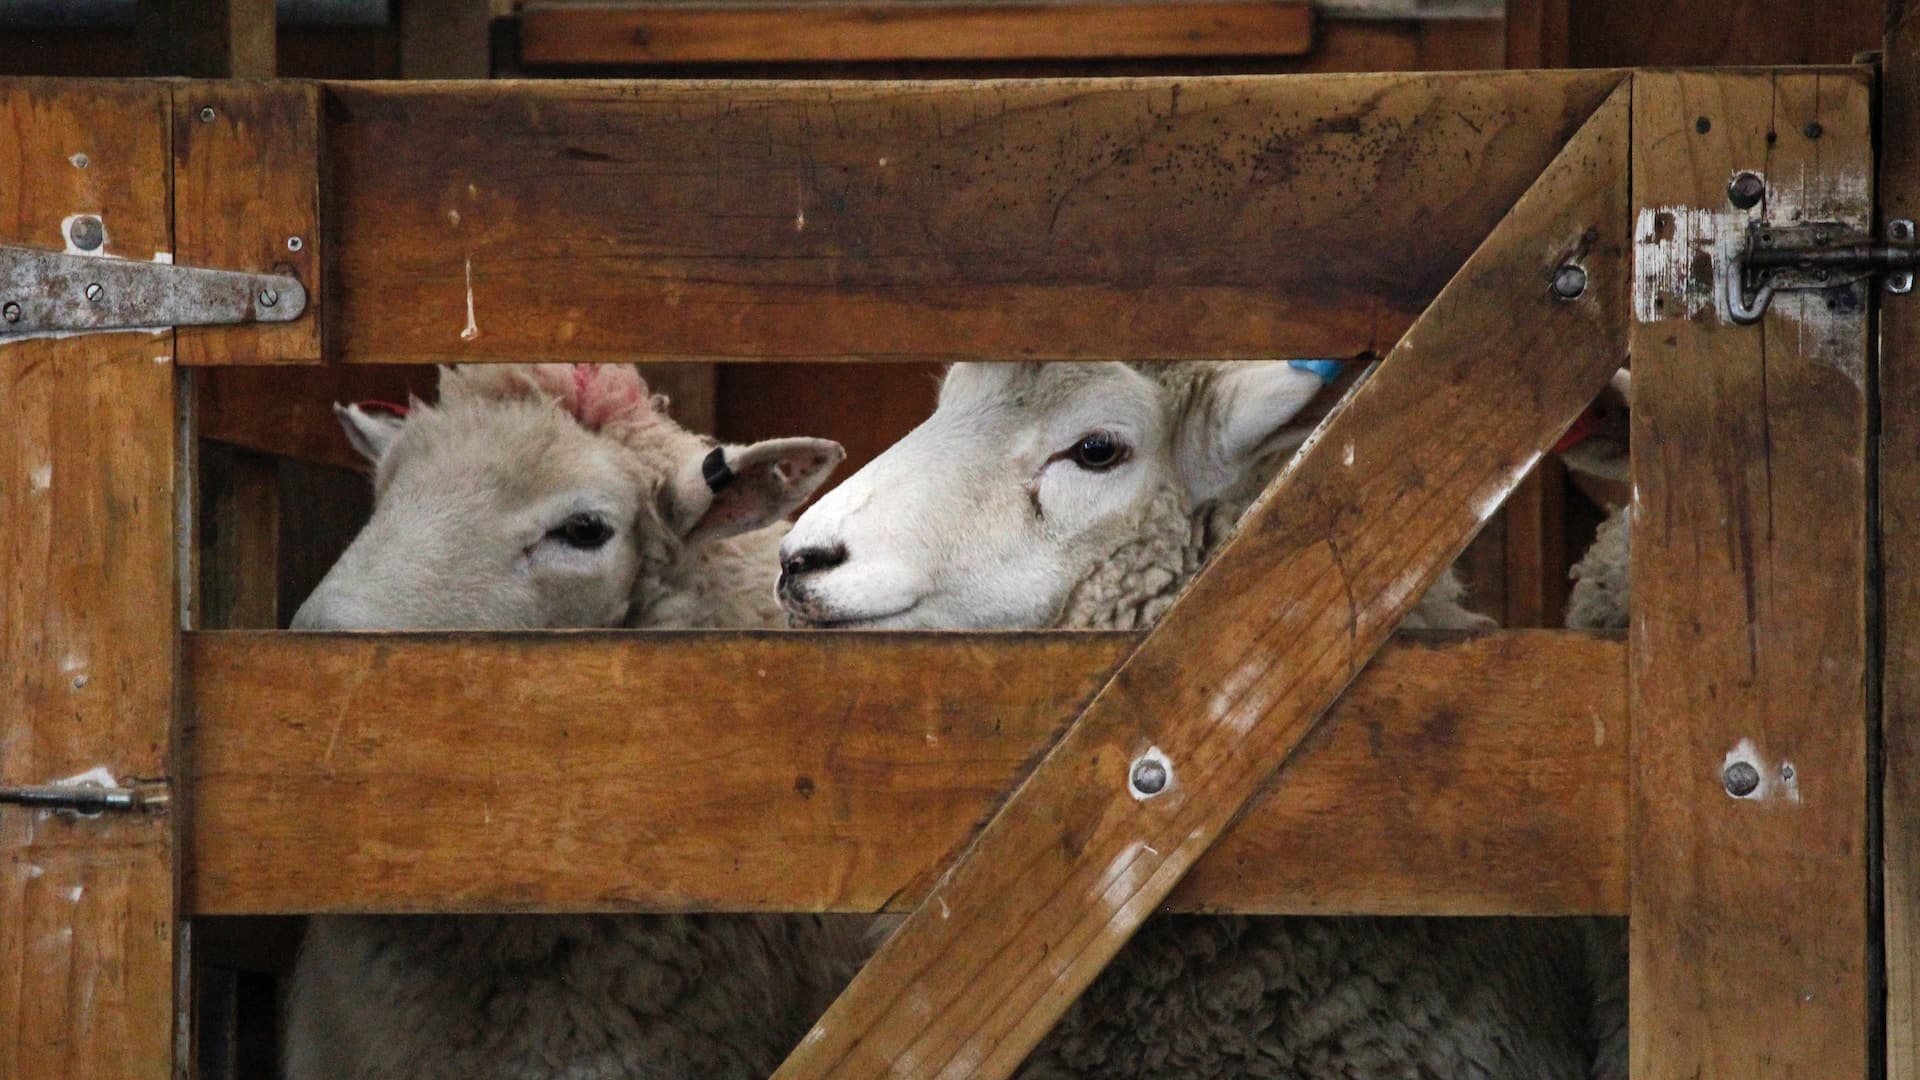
x=1749 y=921
x=238 y=538
x=1234 y=677
x=247 y=197
x=1899 y=448
x=729 y=33
x=87 y=605
x=1101 y=219
x=832 y=772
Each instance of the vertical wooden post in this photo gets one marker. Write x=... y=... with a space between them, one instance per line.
x=208 y=39
x=1900 y=554
x=1750 y=783
x=88 y=608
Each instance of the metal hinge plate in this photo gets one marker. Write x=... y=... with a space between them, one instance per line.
x=1815 y=255
x=53 y=292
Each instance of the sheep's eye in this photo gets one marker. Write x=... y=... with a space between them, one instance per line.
x=1098 y=452
x=583 y=531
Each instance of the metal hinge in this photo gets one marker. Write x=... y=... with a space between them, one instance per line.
x=53 y=291
x=86 y=798
x=1782 y=258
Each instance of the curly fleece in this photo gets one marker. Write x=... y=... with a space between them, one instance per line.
x=592 y=997
x=1292 y=998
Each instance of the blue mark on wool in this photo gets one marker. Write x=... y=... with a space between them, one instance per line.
x=1328 y=370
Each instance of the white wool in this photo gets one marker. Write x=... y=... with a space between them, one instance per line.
x=579 y=997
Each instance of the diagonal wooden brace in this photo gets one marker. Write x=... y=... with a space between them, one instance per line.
x=1237 y=674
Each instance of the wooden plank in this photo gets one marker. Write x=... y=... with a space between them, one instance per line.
x=1899 y=450
x=1093 y=219
x=1704 y=33
x=843 y=779
x=1230 y=682
x=1537 y=33
x=1536 y=548
x=87 y=605
x=247 y=197
x=1750 y=940
x=446 y=39
x=208 y=39
x=239 y=540
x=647 y=33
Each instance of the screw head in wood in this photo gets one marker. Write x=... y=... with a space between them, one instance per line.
x=206 y=114
x=1149 y=777
x=1745 y=190
x=1702 y=125
x=95 y=292
x=1813 y=129
x=1569 y=281
x=1741 y=779
x=269 y=297
x=86 y=233
x=1900 y=229
x=10 y=312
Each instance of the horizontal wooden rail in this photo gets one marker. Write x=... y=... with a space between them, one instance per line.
x=655 y=33
x=1061 y=219
x=842 y=771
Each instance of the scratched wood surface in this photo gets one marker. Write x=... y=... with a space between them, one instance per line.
x=87 y=602
x=1749 y=921
x=829 y=772
x=1899 y=197
x=1231 y=681
x=661 y=34
x=1101 y=219
x=247 y=197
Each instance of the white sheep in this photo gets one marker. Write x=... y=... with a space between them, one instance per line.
x=1087 y=495
x=1597 y=459
x=557 y=496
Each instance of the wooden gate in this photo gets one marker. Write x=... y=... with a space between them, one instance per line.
x=1506 y=239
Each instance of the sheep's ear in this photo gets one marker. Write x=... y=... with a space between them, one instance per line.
x=1241 y=414
x=371 y=431
x=734 y=489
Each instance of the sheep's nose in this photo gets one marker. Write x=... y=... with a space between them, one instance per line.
x=809 y=560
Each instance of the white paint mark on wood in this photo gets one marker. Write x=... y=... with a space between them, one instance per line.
x=1599 y=730
x=946 y=912
x=453 y=218
x=41 y=477
x=74 y=894
x=1680 y=260
x=1490 y=500
x=473 y=326
x=1346 y=456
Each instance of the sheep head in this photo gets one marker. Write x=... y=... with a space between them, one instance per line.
x=542 y=495
x=1030 y=480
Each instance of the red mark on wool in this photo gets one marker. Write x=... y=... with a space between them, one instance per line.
x=597 y=394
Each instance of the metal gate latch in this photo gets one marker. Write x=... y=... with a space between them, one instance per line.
x=42 y=291
x=1781 y=258
x=85 y=799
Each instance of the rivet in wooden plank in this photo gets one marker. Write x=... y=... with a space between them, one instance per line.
x=86 y=232
x=1149 y=775
x=1746 y=190
x=1569 y=282
x=1740 y=779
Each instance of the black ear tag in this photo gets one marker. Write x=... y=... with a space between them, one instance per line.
x=715 y=469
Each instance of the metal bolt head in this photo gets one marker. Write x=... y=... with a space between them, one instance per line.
x=1900 y=229
x=1900 y=282
x=95 y=292
x=1569 y=281
x=1703 y=125
x=294 y=243
x=1746 y=190
x=1741 y=779
x=206 y=114
x=1813 y=129
x=1149 y=777
x=86 y=233
x=10 y=312
x=269 y=297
